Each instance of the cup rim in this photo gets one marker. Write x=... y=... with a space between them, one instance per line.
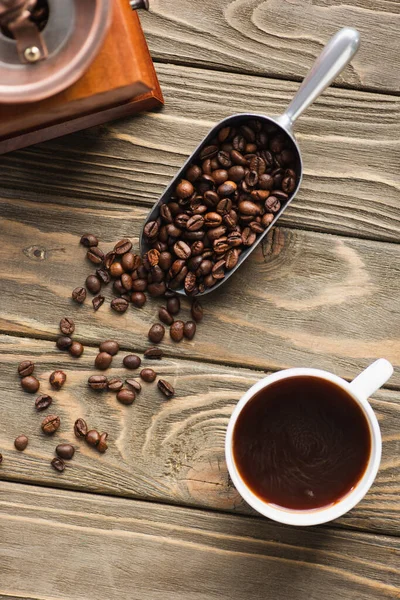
x=315 y=516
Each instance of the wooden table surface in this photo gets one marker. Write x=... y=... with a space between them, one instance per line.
x=157 y=517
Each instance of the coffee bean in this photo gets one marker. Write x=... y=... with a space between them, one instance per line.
x=89 y=240
x=92 y=437
x=218 y=270
x=80 y=428
x=212 y=219
x=103 y=275
x=98 y=301
x=182 y=250
x=272 y=204
x=139 y=285
x=231 y=258
x=50 y=424
x=30 y=384
x=190 y=284
x=67 y=326
x=153 y=353
x=176 y=331
x=120 y=305
x=95 y=255
x=165 y=316
x=116 y=269
x=189 y=330
x=79 y=295
x=132 y=361
x=25 y=368
x=115 y=384
x=151 y=229
x=103 y=360
x=65 y=451
x=148 y=375
x=122 y=247
x=109 y=346
x=126 y=396
x=21 y=442
x=197 y=311
x=156 y=289
x=43 y=402
x=134 y=384
x=138 y=299
x=166 y=388
x=102 y=445
x=248 y=237
x=98 y=382
x=267 y=219
x=192 y=174
x=173 y=305
x=58 y=464
x=130 y=262
x=57 y=379
x=63 y=342
x=93 y=284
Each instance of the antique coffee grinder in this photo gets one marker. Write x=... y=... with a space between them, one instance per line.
x=70 y=64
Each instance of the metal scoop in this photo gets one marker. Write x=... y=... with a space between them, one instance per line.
x=336 y=55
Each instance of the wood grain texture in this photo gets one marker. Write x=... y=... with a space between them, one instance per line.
x=277 y=37
x=86 y=547
x=301 y=299
x=349 y=142
x=162 y=451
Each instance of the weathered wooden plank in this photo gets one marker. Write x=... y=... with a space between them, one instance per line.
x=302 y=298
x=164 y=451
x=349 y=141
x=76 y=546
x=277 y=37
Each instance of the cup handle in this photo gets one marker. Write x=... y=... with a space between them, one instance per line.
x=334 y=57
x=370 y=380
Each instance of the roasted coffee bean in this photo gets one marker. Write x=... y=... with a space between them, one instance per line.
x=57 y=379
x=256 y=227
x=93 y=284
x=184 y=189
x=120 y=305
x=95 y=255
x=234 y=239
x=109 y=259
x=153 y=257
x=148 y=375
x=156 y=333
x=180 y=222
x=130 y=262
x=109 y=346
x=134 y=384
x=156 y=274
x=208 y=152
x=236 y=173
x=189 y=330
x=212 y=219
x=138 y=299
x=30 y=384
x=118 y=287
x=238 y=158
x=165 y=211
x=103 y=275
x=139 y=285
x=116 y=269
x=190 y=284
x=192 y=174
x=288 y=184
x=114 y=384
x=173 y=305
x=156 y=289
x=197 y=311
x=151 y=230
x=50 y=424
x=272 y=204
x=126 y=396
x=195 y=262
x=98 y=382
x=79 y=295
x=126 y=281
x=231 y=259
x=89 y=240
x=193 y=236
x=218 y=270
x=224 y=159
x=165 y=260
x=166 y=388
x=21 y=442
x=249 y=208
x=220 y=176
x=153 y=353
x=182 y=250
x=221 y=245
x=165 y=316
x=267 y=220
x=98 y=301
x=43 y=402
x=103 y=360
x=131 y=361
x=197 y=247
x=176 y=331
x=76 y=349
x=227 y=189
x=204 y=268
x=92 y=437
x=25 y=368
x=63 y=342
x=58 y=464
x=67 y=326
x=80 y=428
x=122 y=247
x=260 y=195
x=65 y=451
x=195 y=223
x=248 y=236
x=216 y=232
x=102 y=445
x=224 y=206
x=266 y=182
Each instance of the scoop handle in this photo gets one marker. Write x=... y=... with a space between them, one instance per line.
x=334 y=57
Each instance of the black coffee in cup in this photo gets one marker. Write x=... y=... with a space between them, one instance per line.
x=301 y=443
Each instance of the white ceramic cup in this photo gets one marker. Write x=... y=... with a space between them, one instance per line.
x=359 y=389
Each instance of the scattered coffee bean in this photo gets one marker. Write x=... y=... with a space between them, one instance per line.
x=58 y=464
x=92 y=437
x=43 y=402
x=120 y=305
x=103 y=361
x=76 y=349
x=166 y=388
x=103 y=275
x=173 y=305
x=25 y=368
x=65 y=451
x=95 y=255
x=67 y=326
x=197 y=311
x=116 y=269
x=98 y=382
x=80 y=428
x=148 y=375
x=189 y=330
x=63 y=342
x=98 y=301
x=176 y=331
x=126 y=396
x=156 y=333
x=153 y=353
x=57 y=379
x=79 y=295
x=132 y=361
x=165 y=316
x=109 y=346
x=50 y=424
x=115 y=384
x=89 y=240
x=138 y=299
x=122 y=247
x=21 y=442
x=30 y=384
x=134 y=384
x=102 y=445
x=93 y=284
x=130 y=262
